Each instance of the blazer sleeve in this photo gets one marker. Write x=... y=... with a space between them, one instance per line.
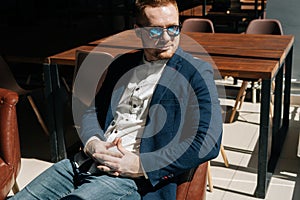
x=90 y=126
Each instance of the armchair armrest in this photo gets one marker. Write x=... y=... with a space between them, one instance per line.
x=9 y=135
x=194 y=187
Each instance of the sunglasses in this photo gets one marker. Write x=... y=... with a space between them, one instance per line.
x=156 y=32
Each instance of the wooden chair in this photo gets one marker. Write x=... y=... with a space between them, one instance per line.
x=257 y=26
x=8 y=81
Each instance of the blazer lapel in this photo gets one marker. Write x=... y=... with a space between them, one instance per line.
x=168 y=77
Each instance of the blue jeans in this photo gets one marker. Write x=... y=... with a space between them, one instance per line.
x=61 y=182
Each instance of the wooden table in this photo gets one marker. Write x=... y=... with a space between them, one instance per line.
x=265 y=57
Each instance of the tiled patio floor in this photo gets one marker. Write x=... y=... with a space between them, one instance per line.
x=240 y=139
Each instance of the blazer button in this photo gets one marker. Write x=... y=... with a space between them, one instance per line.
x=170 y=175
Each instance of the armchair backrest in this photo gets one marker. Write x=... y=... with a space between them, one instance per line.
x=194 y=188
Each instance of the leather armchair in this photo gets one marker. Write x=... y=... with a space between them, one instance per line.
x=10 y=158
x=194 y=185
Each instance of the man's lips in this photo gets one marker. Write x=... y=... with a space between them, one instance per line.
x=164 y=48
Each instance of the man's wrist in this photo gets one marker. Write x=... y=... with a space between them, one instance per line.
x=88 y=148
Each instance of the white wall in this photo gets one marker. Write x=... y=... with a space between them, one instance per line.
x=288 y=13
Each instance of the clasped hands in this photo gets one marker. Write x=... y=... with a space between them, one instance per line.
x=118 y=163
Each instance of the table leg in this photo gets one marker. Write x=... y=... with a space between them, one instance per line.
x=279 y=133
x=53 y=95
x=276 y=139
x=287 y=88
x=256 y=8
x=203 y=8
x=263 y=140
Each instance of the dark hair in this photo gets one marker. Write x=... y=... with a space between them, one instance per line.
x=140 y=6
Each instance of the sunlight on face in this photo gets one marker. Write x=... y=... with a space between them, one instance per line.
x=165 y=46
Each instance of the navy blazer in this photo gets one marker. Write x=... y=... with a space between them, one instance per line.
x=184 y=124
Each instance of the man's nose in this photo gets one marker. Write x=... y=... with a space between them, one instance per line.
x=165 y=35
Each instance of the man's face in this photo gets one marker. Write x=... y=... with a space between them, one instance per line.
x=164 y=45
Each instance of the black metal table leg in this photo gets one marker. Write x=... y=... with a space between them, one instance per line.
x=275 y=150
x=287 y=88
x=204 y=8
x=54 y=112
x=263 y=140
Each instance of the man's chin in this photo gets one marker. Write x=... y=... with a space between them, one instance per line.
x=165 y=54
x=157 y=54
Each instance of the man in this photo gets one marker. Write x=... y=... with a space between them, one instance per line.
x=156 y=116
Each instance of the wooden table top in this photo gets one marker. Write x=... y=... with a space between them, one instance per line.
x=253 y=41
x=238 y=55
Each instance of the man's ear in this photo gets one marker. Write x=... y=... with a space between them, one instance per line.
x=137 y=31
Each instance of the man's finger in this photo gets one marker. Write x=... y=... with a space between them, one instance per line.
x=108 y=170
x=103 y=168
x=111 y=153
x=120 y=146
x=109 y=144
x=102 y=158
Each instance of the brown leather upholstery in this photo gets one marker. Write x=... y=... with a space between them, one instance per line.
x=195 y=187
x=10 y=158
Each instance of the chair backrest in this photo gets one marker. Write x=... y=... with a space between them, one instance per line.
x=264 y=26
x=88 y=73
x=7 y=79
x=194 y=187
x=198 y=25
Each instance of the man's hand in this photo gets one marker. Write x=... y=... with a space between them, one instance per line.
x=128 y=165
x=101 y=147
